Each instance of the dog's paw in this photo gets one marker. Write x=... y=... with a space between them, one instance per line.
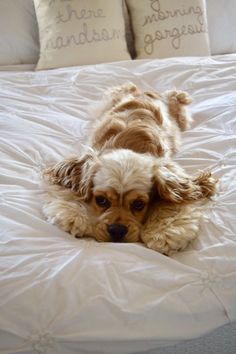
x=183 y=97
x=170 y=228
x=177 y=101
x=124 y=89
x=207 y=184
x=68 y=216
x=117 y=93
x=180 y=97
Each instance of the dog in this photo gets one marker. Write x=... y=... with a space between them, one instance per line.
x=127 y=168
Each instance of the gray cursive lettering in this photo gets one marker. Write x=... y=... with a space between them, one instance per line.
x=173 y=33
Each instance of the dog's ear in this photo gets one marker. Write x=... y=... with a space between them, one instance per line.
x=174 y=185
x=74 y=173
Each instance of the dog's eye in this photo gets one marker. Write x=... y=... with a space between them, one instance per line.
x=137 y=205
x=102 y=201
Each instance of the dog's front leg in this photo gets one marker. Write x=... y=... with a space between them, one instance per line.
x=171 y=227
x=70 y=216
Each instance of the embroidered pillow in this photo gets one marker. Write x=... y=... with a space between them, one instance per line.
x=167 y=28
x=78 y=32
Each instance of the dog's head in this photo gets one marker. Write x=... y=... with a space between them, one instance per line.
x=120 y=186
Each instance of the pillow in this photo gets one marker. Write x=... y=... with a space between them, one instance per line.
x=167 y=28
x=18 y=33
x=221 y=16
x=79 y=32
x=128 y=31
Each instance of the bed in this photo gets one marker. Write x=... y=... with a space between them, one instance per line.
x=63 y=295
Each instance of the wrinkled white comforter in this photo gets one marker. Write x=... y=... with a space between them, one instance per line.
x=62 y=295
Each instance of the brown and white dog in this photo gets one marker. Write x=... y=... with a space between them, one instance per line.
x=127 y=169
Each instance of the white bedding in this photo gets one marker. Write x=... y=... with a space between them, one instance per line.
x=63 y=295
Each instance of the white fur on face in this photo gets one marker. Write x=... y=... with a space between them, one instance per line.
x=124 y=170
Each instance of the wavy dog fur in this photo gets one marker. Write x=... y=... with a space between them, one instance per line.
x=128 y=167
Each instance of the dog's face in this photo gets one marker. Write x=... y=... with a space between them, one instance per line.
x=119 y=187
x=118 y=217
x=120 y=196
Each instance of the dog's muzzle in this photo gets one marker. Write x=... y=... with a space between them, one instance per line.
x=117 y=232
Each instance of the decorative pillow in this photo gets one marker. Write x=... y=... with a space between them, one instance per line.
x=18 y=33
x=167 y=28
x=78 y=32
x=221 y=16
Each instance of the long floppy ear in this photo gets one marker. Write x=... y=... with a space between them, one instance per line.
x=74 y=173
x=174 y=185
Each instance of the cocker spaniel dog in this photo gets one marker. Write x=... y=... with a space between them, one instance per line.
x=126 y=177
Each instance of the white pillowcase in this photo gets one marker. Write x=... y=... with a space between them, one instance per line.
x=79 y=32
x=18 y=32
x=222 y=26
x=167 y=28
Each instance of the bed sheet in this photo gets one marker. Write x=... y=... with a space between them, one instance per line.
x=63 y=295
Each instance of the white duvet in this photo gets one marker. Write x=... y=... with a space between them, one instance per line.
x=63 y=295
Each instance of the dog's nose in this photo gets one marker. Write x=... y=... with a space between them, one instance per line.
x=117 y=231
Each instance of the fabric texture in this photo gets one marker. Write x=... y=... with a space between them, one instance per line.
x=169 y=28
x=80 y=32
x=63 y=295
x=18 y=33
x=221 y=16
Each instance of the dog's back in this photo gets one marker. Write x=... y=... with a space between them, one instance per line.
x=143 y=122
